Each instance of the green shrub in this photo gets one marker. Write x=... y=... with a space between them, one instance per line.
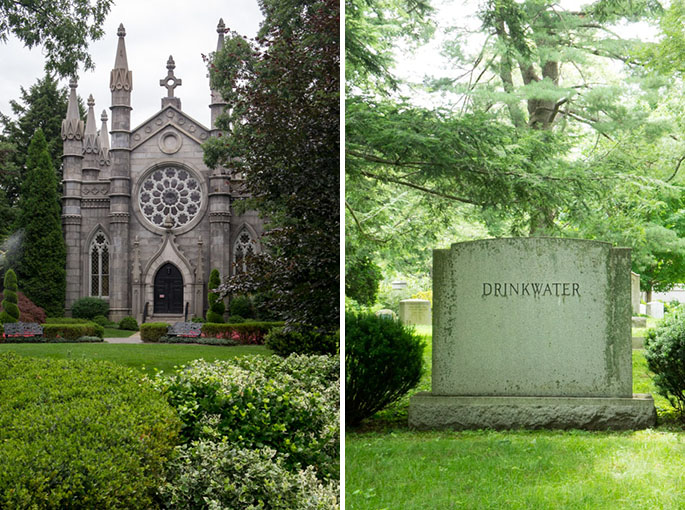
x=241 y=305
x=196 y=340
x=665 y=355
x=235 y=319
x=80 y=434
x=219 y=475
x=383 y=361
x=263 y=308
x=128 y=323
x=10 y=310
x=101 y=320
x=290 y=405
x=200 y=320
x=216 y=304
x=66 y=320
x=151 y=331
x=52 y=340
x=89 y=307
x=73 y=331
x=243 y=333
x=362 y=278
x=301 y=340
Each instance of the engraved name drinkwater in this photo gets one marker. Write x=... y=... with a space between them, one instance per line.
x=533 y=289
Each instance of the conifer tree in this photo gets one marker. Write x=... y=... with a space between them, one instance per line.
x=42 y=257
x=216 y=304
x=10 y=310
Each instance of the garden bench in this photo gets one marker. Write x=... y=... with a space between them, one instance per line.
x=185 y=329
x=22 y=329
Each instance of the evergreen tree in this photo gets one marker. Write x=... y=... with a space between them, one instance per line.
x=216 y=304
x=43 y=106
x=10 y=310
x=43 y=253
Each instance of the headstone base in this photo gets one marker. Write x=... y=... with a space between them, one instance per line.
x=428 y=411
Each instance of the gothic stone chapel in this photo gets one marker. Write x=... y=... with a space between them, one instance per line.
x=144 y=219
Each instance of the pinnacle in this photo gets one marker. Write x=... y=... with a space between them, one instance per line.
x=91 y=101
x=170 y=64
x=103 y=117
x=221 y=27
x=121 y=32
x=73 y=82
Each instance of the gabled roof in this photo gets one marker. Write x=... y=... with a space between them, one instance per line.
x=169 y=116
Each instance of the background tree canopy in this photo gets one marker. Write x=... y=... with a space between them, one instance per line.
x=549 y=120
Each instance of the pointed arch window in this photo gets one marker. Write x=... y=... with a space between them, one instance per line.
x=243 y=248
x=99 y=265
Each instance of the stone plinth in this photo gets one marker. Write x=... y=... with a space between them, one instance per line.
x=415 y=311
x=531 y=326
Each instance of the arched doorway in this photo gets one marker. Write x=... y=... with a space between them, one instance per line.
x=168 y=290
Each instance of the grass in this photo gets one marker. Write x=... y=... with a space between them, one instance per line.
x=118 y=333
x=145 y=357
x=388 y=466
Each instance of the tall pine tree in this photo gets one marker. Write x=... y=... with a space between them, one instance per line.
x=43 y=253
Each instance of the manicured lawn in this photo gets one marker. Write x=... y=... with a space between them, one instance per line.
x=147 y=357
x=117 y=333
x=389 y=467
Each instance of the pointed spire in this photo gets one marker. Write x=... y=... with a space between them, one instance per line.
x=104 y=140
x=72 y=126
x=120 y=77
x=90 y=142
x=221 y=30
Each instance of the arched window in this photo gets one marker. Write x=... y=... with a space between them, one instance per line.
x=99 y=265
x=244 y=247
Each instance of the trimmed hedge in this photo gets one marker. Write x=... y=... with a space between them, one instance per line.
x=80 y=434
x=129 y=324
x=72 y=331
x=299 y=339
x=65 y=320
x=243 y=333
x=152 y=331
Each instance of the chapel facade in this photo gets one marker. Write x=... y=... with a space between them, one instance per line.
x=144 y=219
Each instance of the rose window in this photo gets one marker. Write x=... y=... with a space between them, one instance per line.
x=170 y=192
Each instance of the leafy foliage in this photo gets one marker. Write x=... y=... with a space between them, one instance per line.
x=29 y=311
x=63 y=28
x=283 y=132
x=152 y=331
x=362 y=277
x=289 y=405
x=665 y=355
x=129 y=323
x=302 y=340
x=72 y=331
x=10 y=312
x=80 y=434
x=89 y=307
x=42 y=261
x=383 y=361
x=206 y=475
x=242 y=333
x=241 y=306
x=216 y=303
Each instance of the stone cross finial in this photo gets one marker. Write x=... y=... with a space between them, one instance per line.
x=170 y=82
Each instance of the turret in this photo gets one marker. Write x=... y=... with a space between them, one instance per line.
x=121 y=85
x=72 y=161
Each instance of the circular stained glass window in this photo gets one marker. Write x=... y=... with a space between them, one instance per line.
x=170 y=192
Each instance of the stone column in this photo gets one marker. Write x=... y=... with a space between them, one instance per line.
x=121 y=85
x=72 y=136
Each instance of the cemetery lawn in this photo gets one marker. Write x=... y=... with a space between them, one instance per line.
x=388 y=466
x=145 y=357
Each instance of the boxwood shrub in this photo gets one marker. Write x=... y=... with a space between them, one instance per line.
x=72 y=331
x=89 y=307
x=151 y=331
x=219 y=475
x=383 y=361
x=128 y=323
x=290 y=405
x=300 y=339
x=66 y=320
x=665 y=355
x=243 y=333
x=80 y=434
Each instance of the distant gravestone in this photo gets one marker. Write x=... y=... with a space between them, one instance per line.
x=386 y=314
x=415 y=311
x=531 y=332
x=635 y=292
x=655 y=309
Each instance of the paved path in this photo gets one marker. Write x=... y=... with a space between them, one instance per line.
x=133 y=339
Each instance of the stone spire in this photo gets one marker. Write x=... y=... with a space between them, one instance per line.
x=72 y=126
x=170 y=82
x=221 y=30
x=217 y=104
x=121 y=77
x=91 y=143
x=104 y=140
